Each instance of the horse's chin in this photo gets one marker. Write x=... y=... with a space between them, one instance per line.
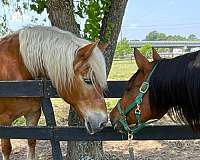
x=118 y=127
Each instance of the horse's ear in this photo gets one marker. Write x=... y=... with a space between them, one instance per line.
x=82 y=55
x=102 y=46
x=141 y=61
x=156 y=56
x=85 y=52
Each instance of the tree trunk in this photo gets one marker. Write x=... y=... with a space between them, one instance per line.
x=61 y=15
x=82 y=150
x=110 y=29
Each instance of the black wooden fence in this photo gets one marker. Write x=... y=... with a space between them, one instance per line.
x=45 y=90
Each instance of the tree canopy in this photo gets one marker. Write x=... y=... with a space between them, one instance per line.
x=123 y=48
x=92 y=11
x=3 y=28
x=158 y=36
x=146 y=50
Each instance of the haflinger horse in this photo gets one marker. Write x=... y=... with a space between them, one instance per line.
x=158 y=87
x=75 y=66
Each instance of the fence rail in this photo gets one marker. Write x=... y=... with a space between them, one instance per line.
x=151 y=132
x=45 y=90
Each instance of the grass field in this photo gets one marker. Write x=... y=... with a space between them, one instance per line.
x=121 y=70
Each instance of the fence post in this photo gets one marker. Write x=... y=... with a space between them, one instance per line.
x=51 y=122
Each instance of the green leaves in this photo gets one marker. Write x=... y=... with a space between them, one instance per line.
x=3 y=27
x=91 y=10
x=94 y=11
x=123 y=48
x=146 y=50
x=5 y=2
x=38 y=5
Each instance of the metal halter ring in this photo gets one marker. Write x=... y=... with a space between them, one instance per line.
x=130 y=136
x=137 y=109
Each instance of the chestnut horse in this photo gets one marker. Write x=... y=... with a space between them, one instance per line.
x=75 y=66
x=158 y=87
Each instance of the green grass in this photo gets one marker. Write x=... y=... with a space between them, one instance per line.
x=121 y=70
x=60 y=109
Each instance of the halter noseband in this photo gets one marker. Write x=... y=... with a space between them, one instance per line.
x=135 y=103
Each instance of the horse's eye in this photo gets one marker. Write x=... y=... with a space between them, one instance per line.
x=88 y=81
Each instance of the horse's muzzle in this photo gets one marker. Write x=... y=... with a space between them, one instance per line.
x=117 y=126
x=95 y=122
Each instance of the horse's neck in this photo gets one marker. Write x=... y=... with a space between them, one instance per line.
x=176 y=82
x=11 y=63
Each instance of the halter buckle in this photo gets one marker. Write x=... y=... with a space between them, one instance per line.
x=144 y=87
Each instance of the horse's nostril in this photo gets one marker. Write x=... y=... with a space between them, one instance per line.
x=89 y=127
x=117 y=126
x=95 y=122
x=102 y=125
x=113 y=122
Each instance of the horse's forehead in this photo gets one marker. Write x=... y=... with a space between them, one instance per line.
x=133 y=78
x=131 y=81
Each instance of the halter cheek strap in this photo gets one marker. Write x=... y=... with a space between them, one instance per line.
x=135 y=103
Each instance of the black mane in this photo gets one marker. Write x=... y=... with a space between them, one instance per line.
x=175 y=84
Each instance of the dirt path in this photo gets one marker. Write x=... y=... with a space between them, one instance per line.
x=143 y=150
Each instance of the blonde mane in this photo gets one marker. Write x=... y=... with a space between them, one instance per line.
x=50 y=51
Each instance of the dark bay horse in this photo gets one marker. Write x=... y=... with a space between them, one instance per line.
x=158 y=87
x=75 y=66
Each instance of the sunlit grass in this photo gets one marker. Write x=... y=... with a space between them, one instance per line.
x=121 y=70
x=61 y=109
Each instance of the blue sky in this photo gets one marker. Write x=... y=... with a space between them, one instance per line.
x=168 y=16
x=143 y=16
